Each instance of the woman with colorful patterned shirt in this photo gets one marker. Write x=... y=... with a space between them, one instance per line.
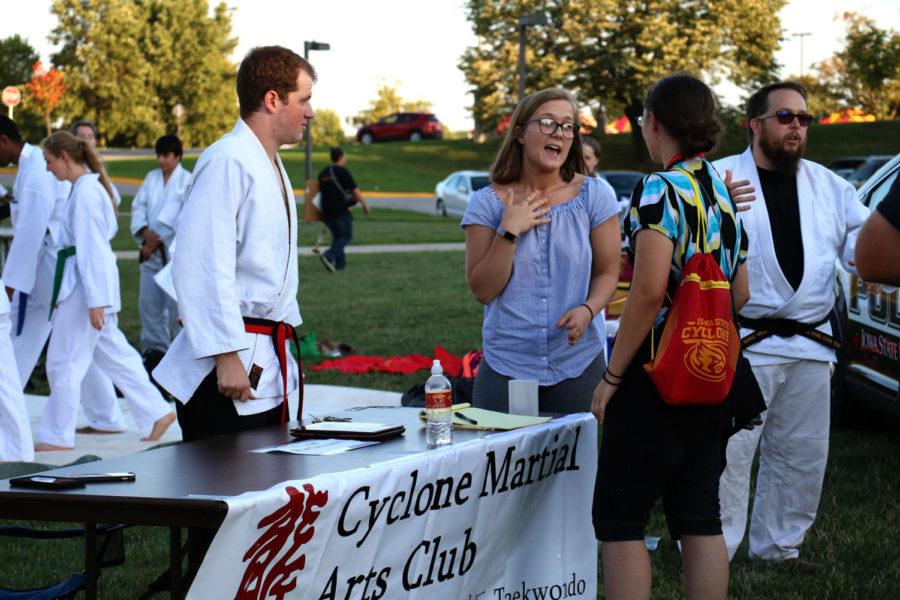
x=651 y=449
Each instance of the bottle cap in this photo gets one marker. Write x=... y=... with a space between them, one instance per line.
x=436 y=368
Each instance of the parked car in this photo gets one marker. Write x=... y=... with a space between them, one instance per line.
x=402 y=126
x=858 y=169
x=868 y=366
x=452 y=194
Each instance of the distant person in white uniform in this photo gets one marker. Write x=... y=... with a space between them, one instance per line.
x=804 y=219
x=101 y=405
x=85 y=303
x=161 y=187
x=39 y=203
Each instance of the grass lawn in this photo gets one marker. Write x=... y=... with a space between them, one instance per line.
x=402 y=303
x=417 y=167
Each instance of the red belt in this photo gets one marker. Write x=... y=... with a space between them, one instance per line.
x=279 y=332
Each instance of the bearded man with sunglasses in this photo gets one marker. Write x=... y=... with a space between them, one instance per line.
x=805 y=218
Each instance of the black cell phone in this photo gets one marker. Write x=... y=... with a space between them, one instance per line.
x=46 y=482
x=103 y=477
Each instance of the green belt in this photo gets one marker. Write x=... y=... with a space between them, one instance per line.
x=61 y=257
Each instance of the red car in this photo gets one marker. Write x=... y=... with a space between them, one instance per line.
x=402 y=126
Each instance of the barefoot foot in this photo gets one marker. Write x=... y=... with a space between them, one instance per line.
x=42 y=447
x=91 y=431
x=159 y=428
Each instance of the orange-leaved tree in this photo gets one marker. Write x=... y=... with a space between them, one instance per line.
x=47 y=89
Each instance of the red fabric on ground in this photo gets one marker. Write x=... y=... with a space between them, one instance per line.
x=452 y=364
x=405 y=365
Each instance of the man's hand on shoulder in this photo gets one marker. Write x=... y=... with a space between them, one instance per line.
x=232 y=378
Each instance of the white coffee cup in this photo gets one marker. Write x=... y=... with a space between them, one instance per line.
x=523 y=397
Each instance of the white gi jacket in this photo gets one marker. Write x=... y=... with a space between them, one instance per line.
x=35 y=195
x=89 y=225
x=830 y=219
x=237 y=257
x=153 y=198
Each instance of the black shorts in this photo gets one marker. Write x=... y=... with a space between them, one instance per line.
x=649 y=450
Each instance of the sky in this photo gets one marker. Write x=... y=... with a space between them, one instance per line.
x=416 y=44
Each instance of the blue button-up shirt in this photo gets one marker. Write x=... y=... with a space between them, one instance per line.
x=551 y=274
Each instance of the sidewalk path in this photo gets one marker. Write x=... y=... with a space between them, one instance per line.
x=363 y=249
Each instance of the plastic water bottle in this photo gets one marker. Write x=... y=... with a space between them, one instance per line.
x=438 y=407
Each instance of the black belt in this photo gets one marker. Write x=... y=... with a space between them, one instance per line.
x=280 y=332
x=766 y=328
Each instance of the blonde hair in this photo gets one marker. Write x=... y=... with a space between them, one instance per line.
x=82 y=153
x=507 y=166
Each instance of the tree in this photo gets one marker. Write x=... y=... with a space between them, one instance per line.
x=130 y=62
x=105 y=70
x=388 y=101
x=16 y=58
x=869 y=66
x=188 y=52
x=609 y=52
x=47 y=89
x=326 y=128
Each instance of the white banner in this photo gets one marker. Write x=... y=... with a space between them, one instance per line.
x=507 y=517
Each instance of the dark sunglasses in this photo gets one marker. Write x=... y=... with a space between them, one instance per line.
x=786 y=117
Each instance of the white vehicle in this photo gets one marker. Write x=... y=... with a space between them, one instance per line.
x=453 y=193
x=868 y=366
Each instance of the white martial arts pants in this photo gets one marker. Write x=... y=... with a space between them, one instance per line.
x=97 y=394
x=793 y=452
x=73 y=346
x=158 y=310
x=15 y=429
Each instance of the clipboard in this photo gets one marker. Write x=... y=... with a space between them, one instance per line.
x=375 y=432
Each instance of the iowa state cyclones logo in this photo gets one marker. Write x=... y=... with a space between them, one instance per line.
x=291 y=523
x=706 y=348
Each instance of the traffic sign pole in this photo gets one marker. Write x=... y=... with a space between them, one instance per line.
x=11 y=96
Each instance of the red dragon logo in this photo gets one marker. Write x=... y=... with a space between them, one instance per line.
x=291 y=523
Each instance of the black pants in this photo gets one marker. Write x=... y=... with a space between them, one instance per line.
x=206 y=415
x=651 y=449
x=209 y=414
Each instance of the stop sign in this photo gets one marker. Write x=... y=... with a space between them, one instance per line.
x=11 y=96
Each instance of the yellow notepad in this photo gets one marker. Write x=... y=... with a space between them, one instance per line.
x=489 y=419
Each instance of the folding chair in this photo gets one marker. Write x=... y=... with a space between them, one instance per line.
x=109 y=551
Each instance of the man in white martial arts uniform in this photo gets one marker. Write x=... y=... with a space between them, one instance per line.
x=162 y=187
x=15 y=429
x=39 y=201
x=804 y=219
x=235 y=269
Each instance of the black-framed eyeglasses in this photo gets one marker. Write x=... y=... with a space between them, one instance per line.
x=549 y=126
x=786 y=117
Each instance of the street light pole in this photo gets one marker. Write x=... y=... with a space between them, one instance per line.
x=801 y=36
x=307 y=46
x=535 y=18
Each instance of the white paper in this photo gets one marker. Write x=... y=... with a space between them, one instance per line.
x=317 y=447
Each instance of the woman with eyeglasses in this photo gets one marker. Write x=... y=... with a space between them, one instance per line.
x=542 y=255
x=651 y=449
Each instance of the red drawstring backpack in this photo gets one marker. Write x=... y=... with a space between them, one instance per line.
x=698 y=351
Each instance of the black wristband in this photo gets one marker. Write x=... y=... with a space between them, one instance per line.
x=613 y=374
x=507 y=234
x=590 y=310
x=612 y=383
